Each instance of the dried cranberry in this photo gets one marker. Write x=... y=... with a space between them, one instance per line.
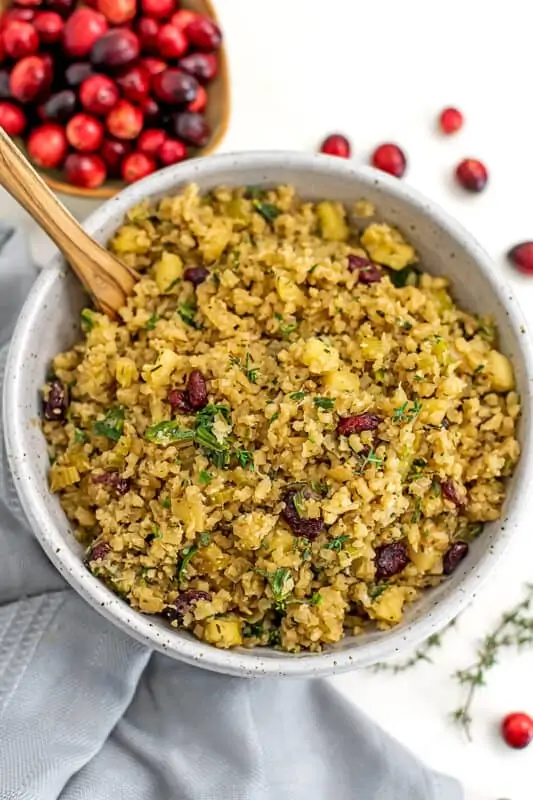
x=358 y=423
x=521 y=257
x=183 y=603
x=85 y=169
x=116 y=48
x=12 y=119
x=114 y=481
x=453 y=557
x=56 y=403
x=449 y=490
x=196 y=275
x=137 y=166
x=197 y=390
x=308 y=528
x=59 y=107
x=472 y=175
x=99 y=551
x=192 y=128
x=49 y=26
x=204 y=66
x=174 y=86
x=204 y=34
x=75 y=74
x=336 y=145
x=179 y=400
x=368 y=272
x=20 y=39
x=47 y=145
x=82 y=31
x=450 y=120
x=390 y=158
x=171 y=42
x=390 y=559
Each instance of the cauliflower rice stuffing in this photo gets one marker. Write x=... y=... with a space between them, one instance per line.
x=291 y=431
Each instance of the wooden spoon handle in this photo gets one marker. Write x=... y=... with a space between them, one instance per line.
x=106 y=279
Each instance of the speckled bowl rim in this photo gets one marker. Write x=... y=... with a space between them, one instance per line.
x=242 y=663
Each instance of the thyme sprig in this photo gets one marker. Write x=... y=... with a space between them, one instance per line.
x=421 y=654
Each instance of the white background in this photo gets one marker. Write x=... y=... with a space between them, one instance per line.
x=381 y=71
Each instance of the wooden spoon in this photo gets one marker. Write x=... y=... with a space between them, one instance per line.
x=108 y=281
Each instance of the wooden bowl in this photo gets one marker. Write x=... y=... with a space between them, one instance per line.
x=217 y=115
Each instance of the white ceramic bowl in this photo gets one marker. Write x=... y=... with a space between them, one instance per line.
x=49 y=324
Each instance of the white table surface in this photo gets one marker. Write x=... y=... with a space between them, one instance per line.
x=378 y=72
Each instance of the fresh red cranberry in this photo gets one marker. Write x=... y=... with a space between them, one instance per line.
x=125 y=121
x=113 y=151
x=59 y=107
x=150 y=141
x=137 y=166
x=453 y=557
x=18 y=14
x=472 y=175
x=12 y=119
x=160 y=9
x=151 y=110
x=99 y=94
x=358 y=423
x=85 y=169
x=82 y=30
x=171 y=42
x=517 y=730
x=49 y=26
x=20 y=39
x=336 y=145
x=390 y=158
x=75 y=74
x=116 y=48
x=183 y=18
x=204 y=34
x=62 y=7
x=30 y=78
x=134 y=82
x=192 y=129
x=390 y=559
x=147 y=30
x=521 y=257
x=174 y=86
x=450 y=120
x=203 y=66
x=5 y=90
x=47 y=145
x=172 y=151
x=85 y=133
x=118 y=12
x=154 y=65
x=199 y=103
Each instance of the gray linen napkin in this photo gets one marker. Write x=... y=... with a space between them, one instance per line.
x=86 y=713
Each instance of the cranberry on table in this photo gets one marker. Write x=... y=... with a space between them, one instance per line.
x=82 y=30
x=203 y=66
x=12 y=119
x=147 y=30
x=30 y=78
x=150 y=141
x=192 y=128
x=75 y=74
x=517 y=730
x=390 y=158
x=125 y=121
x=521 y=257
x=196 y=275
x=472 y=175
x=59 y=107
x=114 y=151
x=116 y=48
x=453 y=557
x=49 y=26
x=99 y=94
x=174 y=86
x=85 y=133
x=134 y=82
x=160 y=9
x=117 y=12
x=200 y=102
x=154 y=65
x=136 y=166
x=390 y=559
x=336 y=145
x=85 y=169
x=182 y=18
x=204 y=34
x=450 y=120
x=20 y=39
x=63 y=7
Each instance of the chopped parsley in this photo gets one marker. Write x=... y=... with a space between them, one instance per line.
x=297 y=396
x=278 y=584
x=174 y=283
x=79 y=436
x=274 y=417
x=312 y=269
x=337 y=543
x=247 y=367
x=87 y=320
x=205 y=477
x=254 y=192
x=111 y=425
x=316 y=599
x=435 y=487
x=245 y=458
x=377 y=591
x=188 y=553
x=286 y=328
x=415 y=517
x=167 y=432
x=407 y=412
x=325 y=403
x=479 y=368
x=150 y=325
x=320 y=487
x=268 y=211
x=156 y=530
x=204 y=538
x=253 y=629
x=404 y=277
x=187 y=312
x=166 y=502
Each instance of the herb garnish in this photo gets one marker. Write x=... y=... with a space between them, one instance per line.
x=150 y=325
x=249 y=370
x=325 y=403
x=79 y=436
x=187 y=312
x=285 y=328
x=299 y=502
x=167 y=432
x=166 y=502
x=187 y=554
x=408 y=276
x=273 y=418
x=268 y=211
x=87 y=320
x=111 y=425
x=205 y=477
x=406 y=413
x=204 y=538
x=421 y=654
x=297 y=396
x=415 y=516
x=174 y=283
x=369 y=458
x=337 y=543
x=245 y=458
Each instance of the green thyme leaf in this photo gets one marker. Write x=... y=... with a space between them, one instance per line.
x=79 y=436
x=111 y=425
x=337 y=543
x=245 y=458
x=166 y=502
x=297 y=396
x=150 y=325
x=186 y=557
x=268 y=211
x=325 y=403
x=404 y=277
x=167 y=432
x=273 y=418
x=316 y=599
x=205 y=477
x=187 y=312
